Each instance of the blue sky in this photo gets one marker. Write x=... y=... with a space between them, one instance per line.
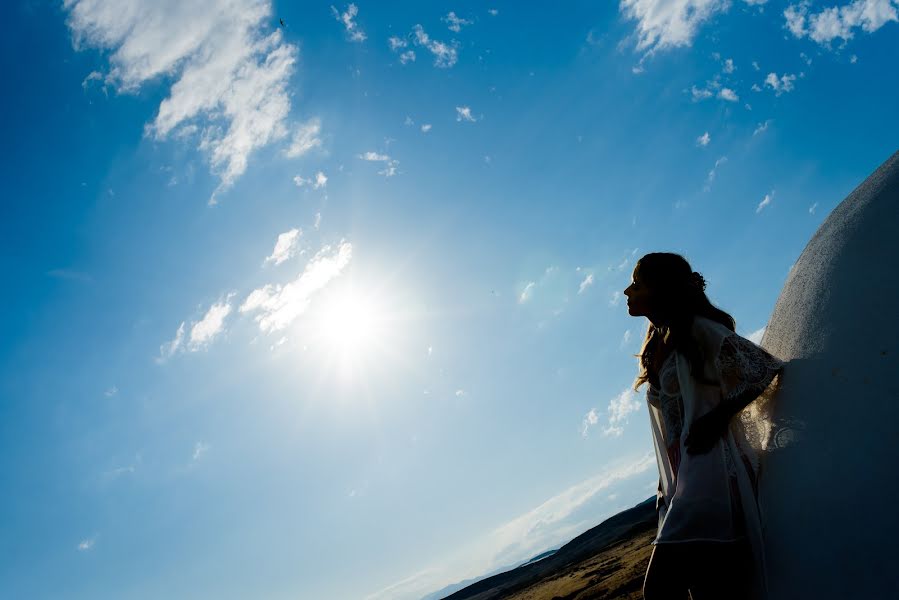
x=293 y=314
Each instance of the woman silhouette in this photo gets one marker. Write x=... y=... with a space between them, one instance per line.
x=701 y=376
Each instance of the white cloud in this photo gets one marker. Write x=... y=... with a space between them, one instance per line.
x=229 y=77
x=445 y=55
x=321 y=180
x=729 y=66
x=278 y=306
x=305 y=138
x=587 y=282
x=663 y=24
x=811 y=209
x=454 y=23
x=210 y=326
x=426 y=128
x=109 y=393
x=762 y=128
x=354 y=33
x=169 y=348
x=493 y=12
x=286 y=247
x=765 y=202
x=396 y=44
x=87 y=544
x=839 y=21
x=619 y=408
x=704 y=139
x=700 y=94
x=616 y=298
x=526 y=292
x=390 y=164
x=463 y=113
x=590 y=419
x=756 y=66
x=713 y=172
x=200 y=448
x=728 y=94
x=625 y=338
x=202 y=332
x=782 y=85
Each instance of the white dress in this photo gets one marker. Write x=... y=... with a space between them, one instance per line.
x=710 y=496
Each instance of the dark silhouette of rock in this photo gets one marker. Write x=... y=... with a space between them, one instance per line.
x=834 y=445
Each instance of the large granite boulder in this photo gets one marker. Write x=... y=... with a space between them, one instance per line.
x=833 y=450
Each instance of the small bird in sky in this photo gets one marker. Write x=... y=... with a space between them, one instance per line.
x=280 y=20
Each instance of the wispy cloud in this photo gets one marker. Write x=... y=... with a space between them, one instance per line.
x=704 y=139
x=782 y=85
x=286 y=247
x=762 y=128
x=426 y=128
x=454 y=23
x=620 y=407
x=463 y=113
x=445 y=55
x=229 y=77
x=553 y=522
x=765 y=202
x=728 y=94
x=305 y=138
x=713 y=172
x=390 y=164
x=835 y=22
x=590 y=419
x=348 y=18
x=585 y=283
x=663 y=24
x=277 y=306
x=200 y=449
x=87 y=544
x=70 y=275
x=202 y=332
x=526 y=293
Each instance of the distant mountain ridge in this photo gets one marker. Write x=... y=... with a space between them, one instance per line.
x=620 y=527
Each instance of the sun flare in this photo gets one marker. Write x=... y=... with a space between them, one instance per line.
x=350 y=330
x=349 y=325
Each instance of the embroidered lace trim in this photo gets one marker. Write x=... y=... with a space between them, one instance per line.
x=743 y=365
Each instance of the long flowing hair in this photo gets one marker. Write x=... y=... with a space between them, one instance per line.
x=677 y=296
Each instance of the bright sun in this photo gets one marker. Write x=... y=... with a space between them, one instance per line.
x=350 y=330
x=349 y=325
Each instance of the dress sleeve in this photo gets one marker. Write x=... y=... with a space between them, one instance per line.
x=742 y=365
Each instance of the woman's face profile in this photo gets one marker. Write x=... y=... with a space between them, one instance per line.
x=638 y=297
